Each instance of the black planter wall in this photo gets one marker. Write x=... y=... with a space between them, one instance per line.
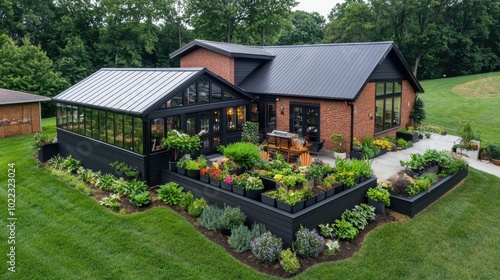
x=48 y=151
x=412 y=206
x=279 y=222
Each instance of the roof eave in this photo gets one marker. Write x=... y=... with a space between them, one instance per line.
x=25 y=101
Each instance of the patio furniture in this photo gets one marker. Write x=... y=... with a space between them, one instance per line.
x=305 y=159
x=316 y=147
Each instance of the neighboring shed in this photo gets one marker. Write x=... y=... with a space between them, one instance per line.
x=19 y=113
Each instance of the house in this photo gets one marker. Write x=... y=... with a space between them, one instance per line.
x=122 y=114
x=20 y=113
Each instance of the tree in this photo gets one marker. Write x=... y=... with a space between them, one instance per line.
x=27 y=68
x=74 y=61
x=306 y=28
x=418 y=112
x=351 y=21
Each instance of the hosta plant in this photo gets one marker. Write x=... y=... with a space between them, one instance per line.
x=112 y=201
x=171 y=193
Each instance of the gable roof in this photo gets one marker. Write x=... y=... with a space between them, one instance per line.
x=227 y=49
x=8 y=96
x=132 y=91
x=330 y=71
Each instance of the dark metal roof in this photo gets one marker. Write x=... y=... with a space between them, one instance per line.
x=128 y=90
x=16 y=97
x=332 y=71
x=227 y=49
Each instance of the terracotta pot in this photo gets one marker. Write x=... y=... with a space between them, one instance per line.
x=496 y=161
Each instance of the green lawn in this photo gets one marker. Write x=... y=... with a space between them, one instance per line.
x=475 y=98
x=63 y=234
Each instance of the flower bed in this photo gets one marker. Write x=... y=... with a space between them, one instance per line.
x=277 y=221
x=413 y=205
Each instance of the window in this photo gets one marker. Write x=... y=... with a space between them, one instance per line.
x=304 y=120
x=387 y=105
x=190 y=95
x=204 y=94
x=138 y=136
x=110 y=125
x=157 y=133
x=119 y=130
x=95 y=124
x=102 y=126
x=202 y=91
x=128 y=132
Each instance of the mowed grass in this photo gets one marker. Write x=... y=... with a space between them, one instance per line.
x=475 y=98
x=64 y=234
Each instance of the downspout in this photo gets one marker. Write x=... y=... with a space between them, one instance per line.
x=351 y=104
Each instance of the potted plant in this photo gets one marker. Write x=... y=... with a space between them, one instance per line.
x=193 y=167
x=356 y=145
x=331 y=186
x=204 y=174
x=178 y=142
x=182 y=163
x=495 y=154
x=290 y=201
x=227 y=183
x=269 y=197
x=244 y=154
x=215 y=175
x=239 y=183
x=253 y=187
x=378 y=197
x=308 y=195
x=46 y=146
x=339 y=151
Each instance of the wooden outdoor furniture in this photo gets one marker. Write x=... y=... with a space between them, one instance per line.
x=316 y=147
x=264 y=155
x=305 y=159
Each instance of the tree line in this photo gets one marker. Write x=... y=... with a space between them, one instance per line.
x=48 y=45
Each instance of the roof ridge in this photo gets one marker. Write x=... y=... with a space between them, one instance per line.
x=154 y=69
x=333 y=44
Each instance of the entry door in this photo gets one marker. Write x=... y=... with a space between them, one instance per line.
x=270 y=112
x=209 y=122
x=304 y=120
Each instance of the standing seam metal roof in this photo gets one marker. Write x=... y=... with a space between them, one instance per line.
x=127 y=90
x=333 y=71
x=227 y=49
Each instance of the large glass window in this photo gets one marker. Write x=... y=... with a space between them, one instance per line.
x=119 y=139
x=110 y=126
x=88 y=123
x=128 y=132
x=95 y=124
x=216 y=93
x=202 y=91
x=138 y=136
x=387 y=105
x=191 y=124
x=231 y=119
x=190 y=95
x=157 y=133
x=102 y=126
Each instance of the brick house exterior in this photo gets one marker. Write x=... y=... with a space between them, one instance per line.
x=352 y=117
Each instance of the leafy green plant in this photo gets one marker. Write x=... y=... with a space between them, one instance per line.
x=344 y=229
x=338 y=140
x=253 y=183
x=56 y=162
x=171 y=193
x=250 y=132
x=431 y=177
x=267 y=247
x=128 y=170
x=178 y=142
x=196 y=208
x=42 y=139
x=186 y=200
x=416 y=162
x=289 y=261
x=366 y=210
x=70 y=164
x=357 y=219
x=308 y=243
x=240 y=238
x=112 y=201
x=289 y=197
x=106 y=182
x=326 y=230
x=140 y=199
x=333 y=247
x=244 y=154
x=402 y=143
x=231 y=217
x=134 y=187
x=494 y=151
x=210 y=217
x=379 y=194
x=183 y=162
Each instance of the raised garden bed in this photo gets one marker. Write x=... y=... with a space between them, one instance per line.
x=412 y=206
x=408 y=137
x=277 y=221
x=48 y=151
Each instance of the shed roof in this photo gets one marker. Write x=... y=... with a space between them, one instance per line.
x=133 y=91
x=332 y=71
x=227 y=49
x=8 y=96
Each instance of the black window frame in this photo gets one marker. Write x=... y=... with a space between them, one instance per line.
x=384 y=97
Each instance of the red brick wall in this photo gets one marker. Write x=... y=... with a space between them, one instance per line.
x=335 y=117
x=217 y=63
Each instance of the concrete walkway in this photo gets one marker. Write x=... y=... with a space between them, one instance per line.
x=388 y=165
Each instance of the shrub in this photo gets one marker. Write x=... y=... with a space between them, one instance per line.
x=494 y=151
x=357 y=219
x=140 y=199
x=326 y=230
x=402 y=143
x=120 y=186
x=128 y=170
x=134 y=187
x=106 y=182
x=289 y=261
x=186 y=200
x=210 y=217
x=179 y=142
x=379 y=194
x=257 y=230
x=250 y=132
x=112 y=201
x=171 y=193
x=431 y=177
x=308 y=243
x=267 y=247
x=196 y=208
x=366 y=210
x=400 y=184
x=344 y=229
x=244 y=154
x=240 y=238
x=70 y=164
x=418 y=112
x=231 y=218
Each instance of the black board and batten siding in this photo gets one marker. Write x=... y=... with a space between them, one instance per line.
x=279 y=222
x=388 y=70
x=243 y=67
x=98 y=155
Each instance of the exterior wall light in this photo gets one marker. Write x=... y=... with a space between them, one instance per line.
x=282 y=108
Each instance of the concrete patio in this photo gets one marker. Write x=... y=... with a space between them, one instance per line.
x=387 y=165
